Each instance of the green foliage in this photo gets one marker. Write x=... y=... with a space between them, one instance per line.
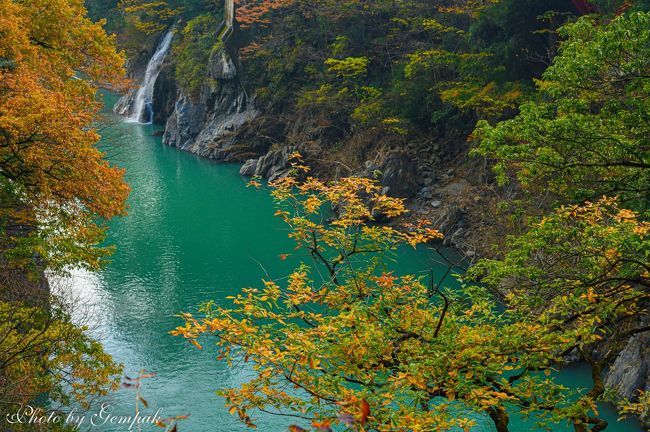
x=350 y=68
x=192 y=52
x=520 y=35
x=371 y=107
x=375 y=48
x=583 y=141
x=150 y=16
x=108 y=10
x=586 y=135
x=42 y=351
x=582 y=270
x=605 y=278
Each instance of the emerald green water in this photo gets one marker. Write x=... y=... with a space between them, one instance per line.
x=194 y=233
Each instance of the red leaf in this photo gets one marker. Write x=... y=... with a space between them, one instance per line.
x=323 y=426
x=365 y=411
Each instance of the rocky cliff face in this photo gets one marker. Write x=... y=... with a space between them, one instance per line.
x=165 y=93
x=630 y=372
x=208 y=125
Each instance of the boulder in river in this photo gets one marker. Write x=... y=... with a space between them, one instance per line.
x=249 y=167
x=274 y=164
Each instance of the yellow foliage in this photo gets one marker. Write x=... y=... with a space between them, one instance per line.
x=55 y=58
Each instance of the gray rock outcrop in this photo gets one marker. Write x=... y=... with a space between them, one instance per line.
x=185 y=123
x=207 y=125
x=165 y=93
x=397 y=174
x=630 y=372
x=249 y=167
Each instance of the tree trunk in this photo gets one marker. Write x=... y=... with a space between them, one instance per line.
x=500 y=418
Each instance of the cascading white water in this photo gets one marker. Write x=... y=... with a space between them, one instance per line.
x=142 y=109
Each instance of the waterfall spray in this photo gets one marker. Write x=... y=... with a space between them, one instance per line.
x=142 y=109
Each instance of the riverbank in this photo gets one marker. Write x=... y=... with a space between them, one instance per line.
x=223 y=123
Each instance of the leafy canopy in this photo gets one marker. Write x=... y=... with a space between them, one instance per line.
x=586 y=134
x=52 y=177
x=582 y=147
x=55 y=189
x=42 y=351
x=344 y=341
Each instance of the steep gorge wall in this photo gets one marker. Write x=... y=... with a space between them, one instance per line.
x=207 y=125
x=225 y=122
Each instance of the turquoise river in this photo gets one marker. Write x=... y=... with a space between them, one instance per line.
x=194 y=233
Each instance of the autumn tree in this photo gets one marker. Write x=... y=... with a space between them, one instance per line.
x=55 y=189
x=368 y=350
x=150 y=16
x=42 y=351
x=52 y=177
x=582 y=270
x=256 y=12
x=153 y=16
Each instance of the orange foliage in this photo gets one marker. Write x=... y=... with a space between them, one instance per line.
x=52 y=58
x=255 y=12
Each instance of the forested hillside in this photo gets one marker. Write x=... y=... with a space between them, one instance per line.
x=518 y=128
x=515 y=130
x=357 y=87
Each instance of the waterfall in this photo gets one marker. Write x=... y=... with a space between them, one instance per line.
x=142 y=108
